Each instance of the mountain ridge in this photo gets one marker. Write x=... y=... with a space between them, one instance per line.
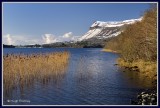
x=103 y=30
x=98 y=34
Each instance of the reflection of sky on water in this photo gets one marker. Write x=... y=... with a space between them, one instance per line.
x=91 y=78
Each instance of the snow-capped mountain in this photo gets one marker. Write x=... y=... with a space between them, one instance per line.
x=103 y=30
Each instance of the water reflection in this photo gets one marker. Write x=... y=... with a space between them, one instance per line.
x=83 y=72
x=136 y=78
x=89 y=77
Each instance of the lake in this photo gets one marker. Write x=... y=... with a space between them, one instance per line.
x=91 y=78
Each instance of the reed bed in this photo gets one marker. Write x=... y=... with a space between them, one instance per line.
x=146 y=68
x=23 y=70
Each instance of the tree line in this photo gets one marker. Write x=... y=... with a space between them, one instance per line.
x=138 y=40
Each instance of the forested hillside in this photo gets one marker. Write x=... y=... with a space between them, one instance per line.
x=137 y=44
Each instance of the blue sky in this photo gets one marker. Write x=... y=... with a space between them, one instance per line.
x=30 y=23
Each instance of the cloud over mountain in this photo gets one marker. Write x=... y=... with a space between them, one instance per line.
x=68 y=35
x=44 y=39
x=8 y=40
x=49 y=38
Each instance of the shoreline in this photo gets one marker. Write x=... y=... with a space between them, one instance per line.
x=109 y=50
x=147 y=69
x=147 y=96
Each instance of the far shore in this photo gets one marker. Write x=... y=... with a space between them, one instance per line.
x=109 y=50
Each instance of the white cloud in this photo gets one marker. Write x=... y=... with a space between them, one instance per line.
x=49 y=38
x=20 y=40
x=44 y=39
x=8 y=40
x=68 y=35
x=75 y=38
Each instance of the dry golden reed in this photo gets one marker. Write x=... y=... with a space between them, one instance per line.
x=21 y=70
x=109 y=50
x=146 y=68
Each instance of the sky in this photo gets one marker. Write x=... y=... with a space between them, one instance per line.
x=39 y=23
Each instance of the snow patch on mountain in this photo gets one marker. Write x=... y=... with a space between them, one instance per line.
x=90 y=34
x=112 y=35
x=103 y=30
x=114 y=23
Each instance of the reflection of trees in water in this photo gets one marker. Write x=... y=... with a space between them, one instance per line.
x=136 y=78
x=23 y=72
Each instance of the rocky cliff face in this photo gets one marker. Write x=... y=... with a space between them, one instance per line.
x=103 y=30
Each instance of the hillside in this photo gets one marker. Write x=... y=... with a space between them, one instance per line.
x=137 y=45
x=102 y=30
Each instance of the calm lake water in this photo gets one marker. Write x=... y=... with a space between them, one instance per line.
x=90 y=79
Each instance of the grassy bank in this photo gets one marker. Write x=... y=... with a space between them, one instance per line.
x=21 y=70
x=146 y=68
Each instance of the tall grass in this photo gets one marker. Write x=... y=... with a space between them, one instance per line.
x=146 y=68
x=24 y=70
